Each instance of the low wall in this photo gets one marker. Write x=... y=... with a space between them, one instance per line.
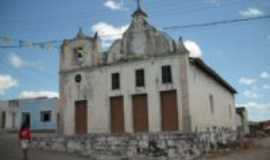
x=140 y=146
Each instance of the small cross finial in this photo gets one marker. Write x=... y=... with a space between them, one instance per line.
x=139 y=4
x=80 y=33
x=80 y=30
x=139 y=10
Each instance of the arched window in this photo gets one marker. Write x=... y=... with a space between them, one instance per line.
x=78 y=55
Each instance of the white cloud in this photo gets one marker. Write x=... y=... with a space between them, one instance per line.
x=35 y=94
x=16 y=61
x=258 y=106
x=251 y=12
x=257 y=111
x=6 y=82
x=265 y=75
x=251 y=94
x=193 y=48
x=266 y=86
x=108 y=32
x=114 y=5
x=247 y=81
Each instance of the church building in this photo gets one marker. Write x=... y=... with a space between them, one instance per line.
x=146 y=82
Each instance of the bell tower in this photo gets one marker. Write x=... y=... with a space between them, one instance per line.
x=81 y=51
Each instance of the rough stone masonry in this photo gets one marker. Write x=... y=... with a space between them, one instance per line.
x=147 y=146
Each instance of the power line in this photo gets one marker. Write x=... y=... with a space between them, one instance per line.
x=215 y=23
x=173 y=9
x=55 y=43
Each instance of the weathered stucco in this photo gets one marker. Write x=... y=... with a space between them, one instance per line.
x=96 y=89
x=201 y=85
x=90 y=52
x=141 y=40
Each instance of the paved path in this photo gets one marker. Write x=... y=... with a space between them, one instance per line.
x=10 y=150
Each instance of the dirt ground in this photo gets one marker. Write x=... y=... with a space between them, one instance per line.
x=10 y=150
x=261 y=151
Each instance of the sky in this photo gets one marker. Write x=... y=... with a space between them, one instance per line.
x=239 y=52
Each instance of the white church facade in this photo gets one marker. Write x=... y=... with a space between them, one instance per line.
x=146 y=82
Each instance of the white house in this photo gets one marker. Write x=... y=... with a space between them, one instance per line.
x=40 y=113
x=146 y=82
x=10 y=117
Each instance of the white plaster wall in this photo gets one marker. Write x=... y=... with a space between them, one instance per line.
x=4 y=106
x=201 y=86
x=17 y=116
x=238 y=120
x=96 y=88
x=246 y=123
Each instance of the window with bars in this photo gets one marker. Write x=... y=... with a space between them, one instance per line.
x=166 y=74
x=139 y=78
x=115 y=81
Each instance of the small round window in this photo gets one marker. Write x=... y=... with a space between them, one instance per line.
x=78 y=78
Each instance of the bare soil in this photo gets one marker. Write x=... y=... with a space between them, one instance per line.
x=261 y=151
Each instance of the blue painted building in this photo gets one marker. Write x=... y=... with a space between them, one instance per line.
x=40 y=113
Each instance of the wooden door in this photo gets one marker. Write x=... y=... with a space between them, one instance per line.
x=81 y=117
x=140 y=113
x=169 y=111
x=117 y=114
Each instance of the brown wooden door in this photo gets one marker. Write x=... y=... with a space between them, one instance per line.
x=81 y=117
x=140 y=113
x=169 y=111
x=117 y=114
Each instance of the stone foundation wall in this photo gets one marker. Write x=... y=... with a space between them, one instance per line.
x=140 y=146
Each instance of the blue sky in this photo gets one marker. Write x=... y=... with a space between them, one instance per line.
x=239 y=52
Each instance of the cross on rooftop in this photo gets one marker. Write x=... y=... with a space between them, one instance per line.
x=138 y=3
x=139 y=10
